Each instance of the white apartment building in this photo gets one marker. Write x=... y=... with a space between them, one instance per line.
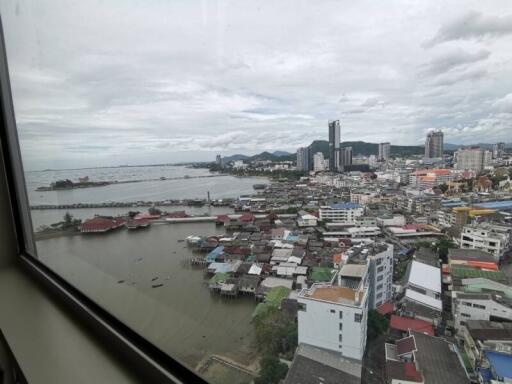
x=346 y=213
x=391 y=221
x=470 y=158
x=491 y=238
x=319 y=162
x=480 y=306
x=380 y=277
x=333 y=317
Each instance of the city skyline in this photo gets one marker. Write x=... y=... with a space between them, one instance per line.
x=202 y=89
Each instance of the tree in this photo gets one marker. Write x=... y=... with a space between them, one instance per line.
x=377 y=324
x=68 y=220
x=442 y=248
x=443 y=187
x=276 y=332
x=272 y=370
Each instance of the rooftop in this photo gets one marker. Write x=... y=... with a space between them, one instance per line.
x=501 y=362
x=345 y=206
x=425 y=276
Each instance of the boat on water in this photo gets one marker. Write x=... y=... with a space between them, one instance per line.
x=259 y=186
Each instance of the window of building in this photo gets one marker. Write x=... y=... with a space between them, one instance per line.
x=340 y=338
x=479 y=306
x=333 y=311
x=358 y=317
x=464 y=314
x=341 y=315
x=341 y=326
x=380 y=269
x=301 y=307
x=380 y=277
x=379 y=287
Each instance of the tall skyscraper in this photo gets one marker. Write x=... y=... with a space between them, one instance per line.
x=304 y=162
x=334 y=145
x=498 y=150
x=434 y=145
x=345 y=158
x=384 y=151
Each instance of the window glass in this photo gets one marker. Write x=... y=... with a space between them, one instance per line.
x=221 y=176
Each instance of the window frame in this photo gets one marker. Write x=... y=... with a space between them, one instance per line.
x=134 y=351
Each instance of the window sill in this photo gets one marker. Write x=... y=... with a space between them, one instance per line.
x=48 y=345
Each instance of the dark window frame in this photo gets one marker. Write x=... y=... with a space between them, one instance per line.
x=149 y=362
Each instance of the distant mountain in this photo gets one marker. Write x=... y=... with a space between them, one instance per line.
x=281 y=153
x=358 y=148
x=234 y=158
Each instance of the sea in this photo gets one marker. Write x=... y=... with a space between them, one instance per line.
x=118 y=269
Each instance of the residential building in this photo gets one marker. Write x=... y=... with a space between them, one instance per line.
x=384 y=151
x=319 y=162
x=334 y=145
x=420 y=358
x=487 y=306
x=304 y=159
x=434 y=145
x=498 y=150
x=429 y=178
x=333 y=316
x=380 y=277
x=470 y=159
x=372 y=161
x=487 y=237
x=345 y=158
x=423 y=292
x=346 y=213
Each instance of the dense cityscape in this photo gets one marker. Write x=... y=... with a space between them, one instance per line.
x=366 y=268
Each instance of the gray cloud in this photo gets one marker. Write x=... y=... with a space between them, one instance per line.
x=124 y=82
x=472 y=25
x=452 y=59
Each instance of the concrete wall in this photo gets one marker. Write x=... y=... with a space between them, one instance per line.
x=318 y=326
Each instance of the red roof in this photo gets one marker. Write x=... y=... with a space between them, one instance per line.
x=146 y=216
x=405 y=346
x=411 y=372
x=404 y=324
x=247 y=217
x=101 y=224
x=223 y=218
x=177 y=214
x=386 y=308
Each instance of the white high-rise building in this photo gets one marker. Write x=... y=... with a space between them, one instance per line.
x=434 y=145
x=372 y=161
x=333 y=316
x=384 y=151
x=319 y=163
x=470 y=159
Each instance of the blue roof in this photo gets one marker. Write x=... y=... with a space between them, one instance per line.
x=221 y=267
x=291 y=237
x=454 y=204
x=213 y=254
x=345 y=206
x=501 y=363
x=506 y=204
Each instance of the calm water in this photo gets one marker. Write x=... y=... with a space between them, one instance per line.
x=156 y=190
x=181 y=317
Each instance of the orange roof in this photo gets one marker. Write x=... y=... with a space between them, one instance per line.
x=336 y=258
x=334 y=294
x=483 y=265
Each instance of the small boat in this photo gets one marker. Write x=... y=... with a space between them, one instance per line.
x=157 y=285
x=154 y=278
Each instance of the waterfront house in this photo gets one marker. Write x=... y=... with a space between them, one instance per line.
x=101 y=224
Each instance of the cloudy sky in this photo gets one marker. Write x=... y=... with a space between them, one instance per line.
x=151 y=81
